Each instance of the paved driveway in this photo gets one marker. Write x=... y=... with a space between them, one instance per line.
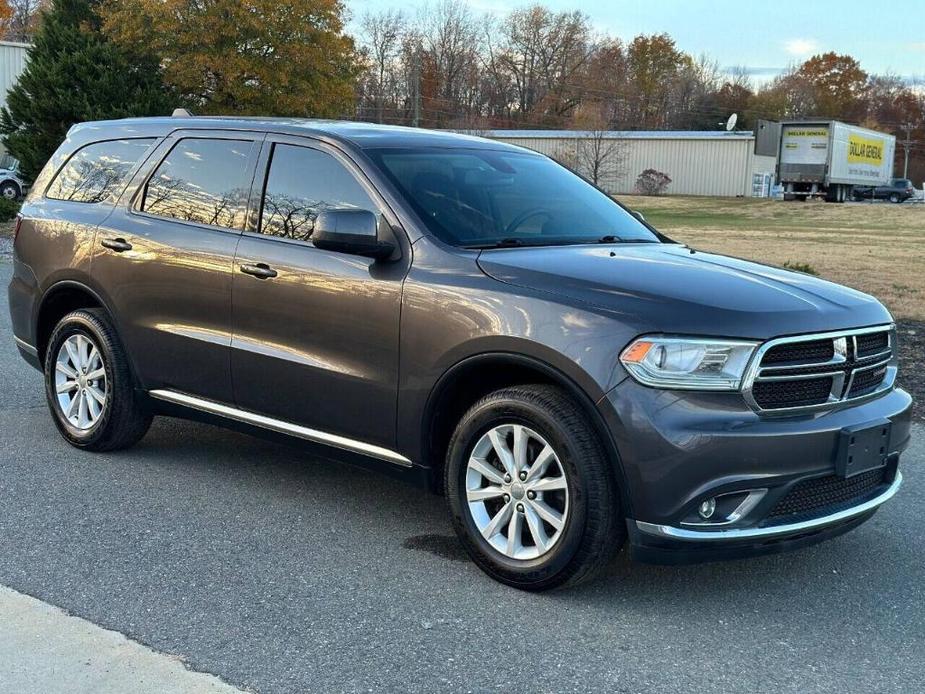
x=282 y=573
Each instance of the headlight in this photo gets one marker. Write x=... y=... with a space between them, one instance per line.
x=688 y=363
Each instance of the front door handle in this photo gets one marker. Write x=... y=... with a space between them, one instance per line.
x=259 y=270
x=117 y=245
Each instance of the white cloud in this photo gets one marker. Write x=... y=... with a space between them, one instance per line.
x=801 y=47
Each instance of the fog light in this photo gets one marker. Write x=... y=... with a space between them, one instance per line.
x=707 y=508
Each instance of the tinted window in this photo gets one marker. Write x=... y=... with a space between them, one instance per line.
x=301 y=182
x=473 y=197
x=97 y=172
x=202 y=181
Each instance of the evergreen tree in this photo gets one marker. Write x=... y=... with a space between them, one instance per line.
x=74 y=74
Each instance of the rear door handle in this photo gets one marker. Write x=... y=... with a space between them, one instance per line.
x=117 y=245
x=259 y=270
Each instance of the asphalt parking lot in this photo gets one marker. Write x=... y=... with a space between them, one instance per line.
x=283 y=573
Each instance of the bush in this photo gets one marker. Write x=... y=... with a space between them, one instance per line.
x=652 y=182
x=8 y=209
x=801 y=267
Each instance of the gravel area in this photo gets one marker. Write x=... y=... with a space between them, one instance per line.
x=6 y=239
x=912 y=361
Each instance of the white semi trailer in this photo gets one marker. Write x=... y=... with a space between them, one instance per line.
x=827 y=159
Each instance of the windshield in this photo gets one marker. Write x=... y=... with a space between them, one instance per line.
x=484 y=198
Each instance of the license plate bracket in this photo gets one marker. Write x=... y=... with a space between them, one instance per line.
x=863 y=448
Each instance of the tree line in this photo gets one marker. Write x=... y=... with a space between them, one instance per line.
x=440 y=65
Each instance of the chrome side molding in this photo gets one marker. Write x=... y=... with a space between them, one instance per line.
x=26 y=346
x=281 y=426
x=734 y=534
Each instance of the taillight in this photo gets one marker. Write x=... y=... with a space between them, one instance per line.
x=16 y=228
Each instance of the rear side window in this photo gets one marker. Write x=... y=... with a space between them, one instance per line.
x=302 y=182
x=202 y=181
x=97 y=172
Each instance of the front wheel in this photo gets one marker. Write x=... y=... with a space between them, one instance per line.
x=894 y=198
x=10 y=190
x=531 y=492
x=89 y=384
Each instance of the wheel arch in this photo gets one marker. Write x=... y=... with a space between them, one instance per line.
x=58 y=300
x=465 y=382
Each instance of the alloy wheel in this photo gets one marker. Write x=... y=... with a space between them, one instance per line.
x=80 y=381
x=517 y=492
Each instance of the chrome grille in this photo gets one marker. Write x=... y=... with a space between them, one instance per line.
x=808 y=372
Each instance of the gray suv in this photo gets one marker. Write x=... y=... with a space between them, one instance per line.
x=467 y=314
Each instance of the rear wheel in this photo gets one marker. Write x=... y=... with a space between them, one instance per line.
x=89 y=384
x=530 y=490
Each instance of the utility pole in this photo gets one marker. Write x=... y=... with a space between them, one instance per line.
x=907 y=148
x=416 y=91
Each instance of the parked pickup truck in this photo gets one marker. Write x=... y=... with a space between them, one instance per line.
x=898 y=190
x=465 y=313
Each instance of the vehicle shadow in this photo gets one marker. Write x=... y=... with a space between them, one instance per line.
x=416 y=520
x=279 y=487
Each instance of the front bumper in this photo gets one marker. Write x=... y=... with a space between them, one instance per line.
x=678 y=449
x=775 y=531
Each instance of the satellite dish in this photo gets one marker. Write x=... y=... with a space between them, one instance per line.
x=731 y=122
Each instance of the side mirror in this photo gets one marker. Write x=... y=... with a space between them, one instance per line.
x=638 y=215
x=352 y=231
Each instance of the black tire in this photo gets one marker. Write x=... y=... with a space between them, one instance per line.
x=594 y=528
x=124 y=419
x=10 y=190
x=894 y=198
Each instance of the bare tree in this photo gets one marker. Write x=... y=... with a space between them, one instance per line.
x=602 y=158
x=450 y=37
x=599 y=154
x=540 y=55
x=383 y=38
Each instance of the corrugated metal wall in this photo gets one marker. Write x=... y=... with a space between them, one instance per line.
x=721 y=166
x=12 y=63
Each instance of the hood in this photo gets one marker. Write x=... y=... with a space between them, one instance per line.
x=670 y=288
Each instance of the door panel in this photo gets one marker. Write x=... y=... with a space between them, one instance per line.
x=316 y=344
x=169 y=280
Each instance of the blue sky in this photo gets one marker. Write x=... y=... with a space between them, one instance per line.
x=764 y=36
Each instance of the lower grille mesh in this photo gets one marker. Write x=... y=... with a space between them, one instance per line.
x=818 y=494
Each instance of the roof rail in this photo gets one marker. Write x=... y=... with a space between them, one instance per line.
x=181 y=113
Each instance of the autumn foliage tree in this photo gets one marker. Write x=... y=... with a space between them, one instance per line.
x=74 y=74
x=278 y=57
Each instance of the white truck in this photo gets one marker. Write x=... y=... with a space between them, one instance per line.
x=828 y=158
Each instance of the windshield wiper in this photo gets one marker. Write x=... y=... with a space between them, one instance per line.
x=503 y=243
x=610 y=238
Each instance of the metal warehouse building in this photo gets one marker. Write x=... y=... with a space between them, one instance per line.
x=699 y=162
x=12 y=63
